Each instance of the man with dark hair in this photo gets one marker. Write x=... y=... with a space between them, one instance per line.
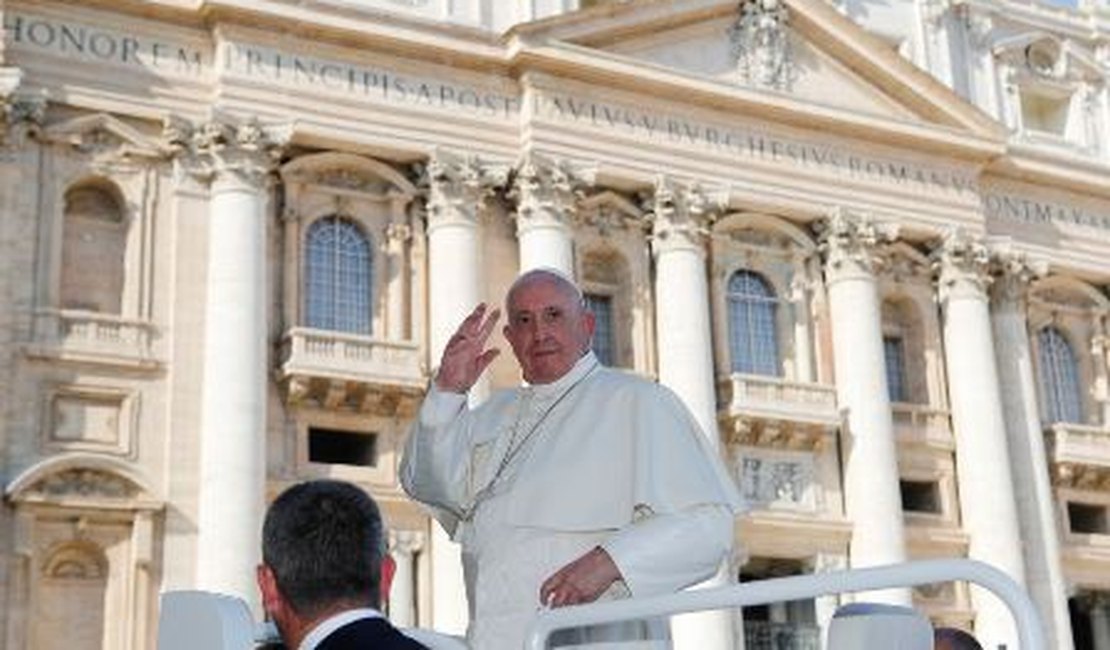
x=325 y=569
x=953 y=638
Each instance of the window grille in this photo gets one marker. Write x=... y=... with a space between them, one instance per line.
x=338 y=277
x=1059 y=377
x=753 y=337
x=895 y=356
x=602 y=344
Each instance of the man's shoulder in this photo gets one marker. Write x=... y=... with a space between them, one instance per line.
x=629 y=381
x=363 y=632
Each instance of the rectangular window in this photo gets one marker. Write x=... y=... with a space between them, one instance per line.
x=1087 y=518
x=337 y=447
x=894 y=355
x=602 y=308
x=920 y=496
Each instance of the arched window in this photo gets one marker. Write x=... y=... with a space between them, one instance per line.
x=94 y=242
x=753 y=338
x=339 y=276
x=1059 y=377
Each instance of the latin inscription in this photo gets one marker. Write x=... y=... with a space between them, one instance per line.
x=1011 y=207
x=102 y=45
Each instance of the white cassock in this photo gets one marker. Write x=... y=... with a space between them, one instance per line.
x=539 y=475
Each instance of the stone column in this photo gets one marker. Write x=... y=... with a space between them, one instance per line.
x=1032 y=485
x=825 y=606
x=800 y=306
x=987 y=505
x=546 y=194
x=871 y=488
x=404 y=545
x=680 y=226
x=457 y=191
x=235 y=162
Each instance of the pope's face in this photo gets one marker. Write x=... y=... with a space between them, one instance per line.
x=548 y=329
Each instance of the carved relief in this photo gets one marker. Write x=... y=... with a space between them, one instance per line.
x=760 y=44
x=75 y=560
x=86 y=483
x=764 y=482
x=20 y=117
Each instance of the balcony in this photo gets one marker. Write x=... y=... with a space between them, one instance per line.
x=1079 y=455
x=91 y=337
x=764 y=411
x=922 y=424
x=764 y=635
x=340 y=371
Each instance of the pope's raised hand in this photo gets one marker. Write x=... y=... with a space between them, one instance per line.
x=465 y=357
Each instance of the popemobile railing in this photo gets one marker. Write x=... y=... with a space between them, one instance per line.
x=910 y=574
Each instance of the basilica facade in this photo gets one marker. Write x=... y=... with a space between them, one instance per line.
x=867 y=243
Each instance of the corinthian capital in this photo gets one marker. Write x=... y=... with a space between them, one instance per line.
x=459 y=186
x=547 y=190
x=406 y=542
x=852 y=243
x=246 y=151
x=1012 y=272
x=963 y=263
x=681 y=215
x=20 y=115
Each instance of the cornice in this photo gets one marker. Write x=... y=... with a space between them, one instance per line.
x=1036 y=166
x=622 y=73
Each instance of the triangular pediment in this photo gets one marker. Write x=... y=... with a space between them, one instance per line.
x=104 y=133
x=800 y=55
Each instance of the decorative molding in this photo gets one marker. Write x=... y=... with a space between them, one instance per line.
x=247 y=151
x=85 y=484
x=852 y=243
x=608 y=212
x=406 y=542
x=682 y=215
x=760 y=44
x=547 y=190
x=458 y=188
x=75 y=560
x=963 y=263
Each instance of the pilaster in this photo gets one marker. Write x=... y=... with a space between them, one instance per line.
x=987 y=506
x=404 y=545
x=853 y=244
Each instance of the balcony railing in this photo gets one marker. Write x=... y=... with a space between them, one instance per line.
x=777 y=398
x=91 y=336
x=763 y=635
x=922 y=424
x=1079 y=444
x=336 y=368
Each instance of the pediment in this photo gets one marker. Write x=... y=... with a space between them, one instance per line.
x=799 y=54
x=103 y=133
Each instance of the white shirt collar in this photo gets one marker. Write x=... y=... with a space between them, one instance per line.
x=583 y=366
x=333 y=623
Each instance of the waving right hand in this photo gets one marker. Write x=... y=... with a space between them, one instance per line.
x=464 y=357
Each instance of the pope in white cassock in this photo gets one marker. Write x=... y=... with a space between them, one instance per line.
x=584 y=483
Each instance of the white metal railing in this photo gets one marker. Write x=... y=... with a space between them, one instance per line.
x=85 y=331
x=1030 y=631
x=760 y=393
x=339 y=354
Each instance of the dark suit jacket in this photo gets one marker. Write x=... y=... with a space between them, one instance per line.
x=369 y=634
